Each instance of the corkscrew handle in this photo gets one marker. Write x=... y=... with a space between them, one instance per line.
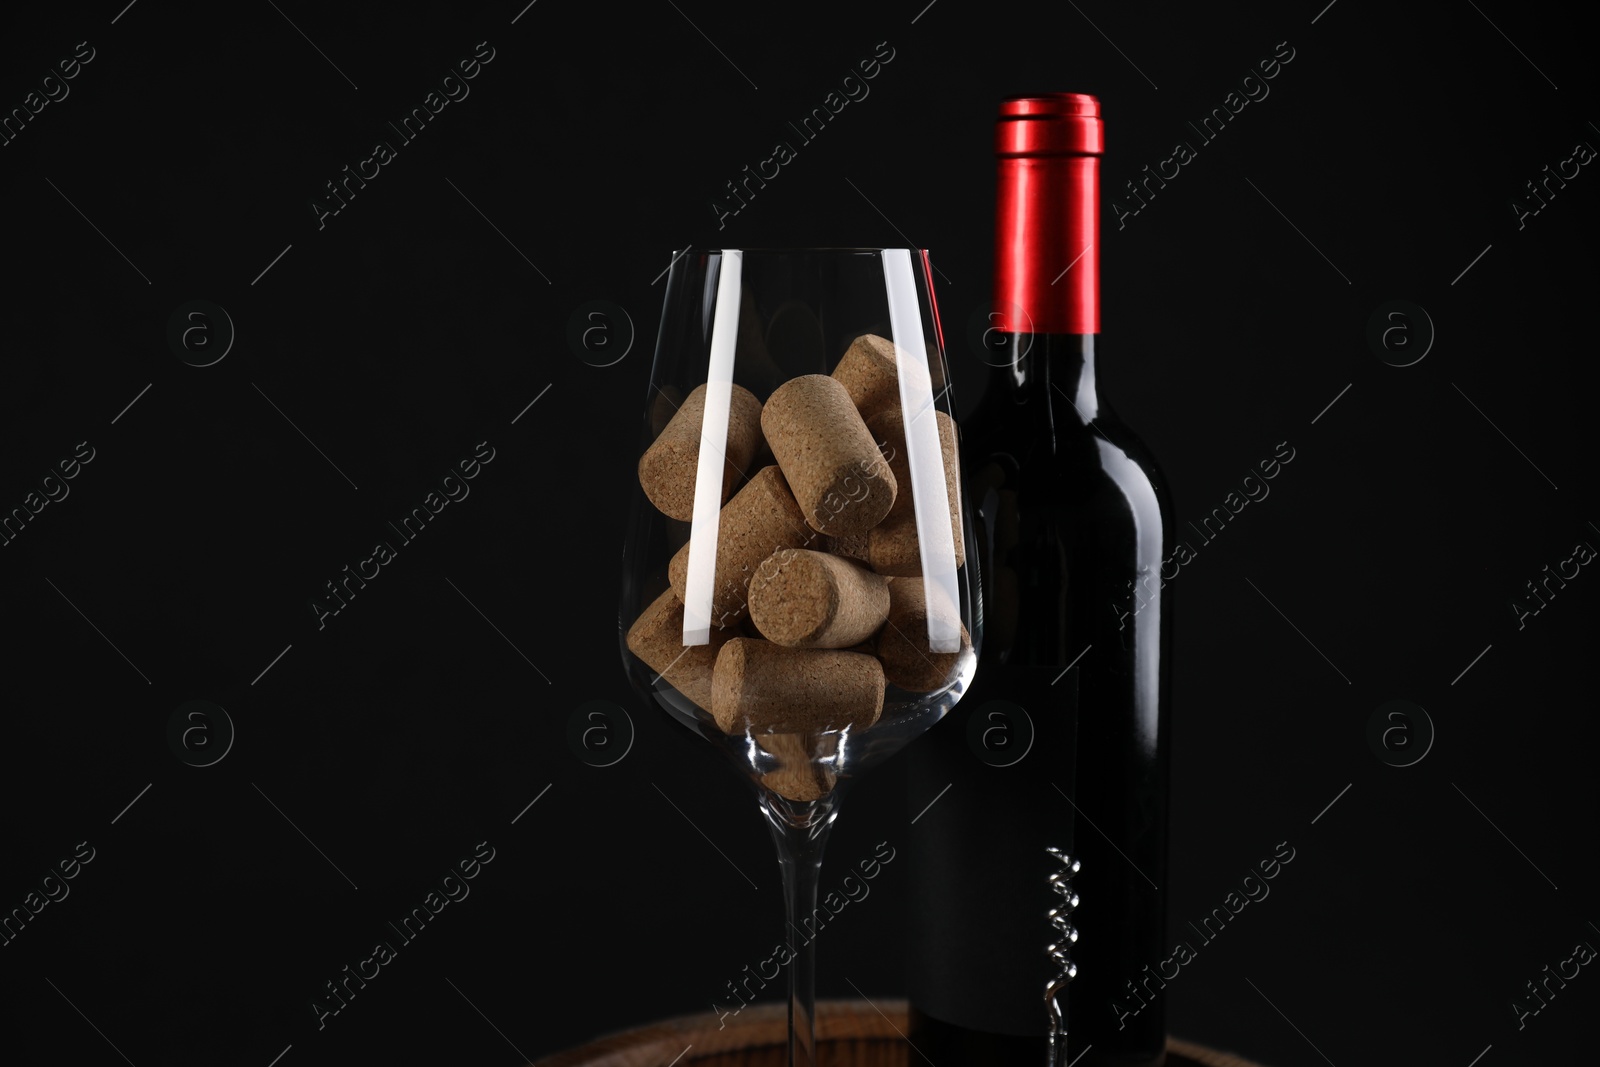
x=1060 y=950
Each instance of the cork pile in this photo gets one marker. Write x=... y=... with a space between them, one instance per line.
x=817 y=602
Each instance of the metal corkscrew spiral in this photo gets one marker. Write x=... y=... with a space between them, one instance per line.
x=1060 y=951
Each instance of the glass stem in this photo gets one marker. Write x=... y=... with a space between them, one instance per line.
x=800 y=831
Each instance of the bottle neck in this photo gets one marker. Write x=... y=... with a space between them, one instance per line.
x=1047 y=244
x=1049 y=371
x=1047 y=252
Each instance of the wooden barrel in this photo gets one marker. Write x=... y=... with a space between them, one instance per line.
x=850 y=1033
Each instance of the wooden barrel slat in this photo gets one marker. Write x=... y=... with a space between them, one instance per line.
x=850 y=1033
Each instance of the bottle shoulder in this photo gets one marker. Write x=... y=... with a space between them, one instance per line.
x=1139 y=464
x=1102 y=454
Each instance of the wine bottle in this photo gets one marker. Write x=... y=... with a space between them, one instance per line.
x=1073 y=522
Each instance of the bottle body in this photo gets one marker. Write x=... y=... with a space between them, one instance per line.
x=1073 y=523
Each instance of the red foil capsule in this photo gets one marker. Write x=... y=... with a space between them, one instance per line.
x=1047 y=221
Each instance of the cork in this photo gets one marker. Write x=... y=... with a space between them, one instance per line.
x=827 y=456
x=807 y=599
x=668 y=468
x=903 y=642
x=856 y=546
x=761 y=518
x=867 y=371
x=656 y=637
x=761 y=687
x=892 y=546
x=764 y=456
x=799 y=775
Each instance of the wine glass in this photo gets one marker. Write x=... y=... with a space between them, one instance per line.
x=795 y=585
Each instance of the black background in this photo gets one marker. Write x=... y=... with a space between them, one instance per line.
x=426 y=715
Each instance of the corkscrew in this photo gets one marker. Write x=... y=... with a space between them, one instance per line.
x=1060 y=951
